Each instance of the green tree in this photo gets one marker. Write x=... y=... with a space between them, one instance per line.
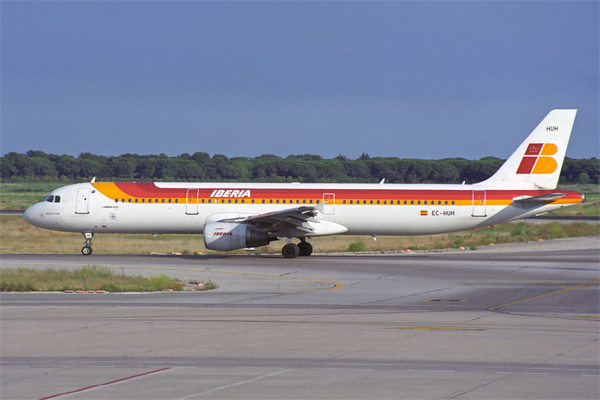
x=88 y=167
x=583 y=178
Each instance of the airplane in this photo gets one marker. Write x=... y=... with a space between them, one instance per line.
x=243 y=215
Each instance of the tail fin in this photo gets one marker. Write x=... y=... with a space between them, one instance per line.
x=538 y=160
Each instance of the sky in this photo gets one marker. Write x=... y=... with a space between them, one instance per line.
x=400 y=79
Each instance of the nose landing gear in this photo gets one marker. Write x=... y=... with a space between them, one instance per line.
x=87 y=249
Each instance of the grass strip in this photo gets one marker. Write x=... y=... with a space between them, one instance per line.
x=511 y=233
x=86 y=279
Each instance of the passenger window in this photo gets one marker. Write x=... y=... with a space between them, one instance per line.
x=251 y=201
x=57 y=199
x=304 y=201
x=136 y=200
x=277 y=201
x=202 y=200
x=310 y=201
x=418 y=201
x=163 y=200
x=122 y=200
x=156 y=200
x=405 y=201
x=446 y=202
x=263 y=201
x=412 y=202
x=377 y=201
x=385 y=202
x=116 y=200
x=452 y=202
x=283 y=201
x=176 y=200
x=129 y=200
x=371 y=202
x=297 y=201
x=169 y=200
x=425 y=202
x=143 y=200
x=271 y=201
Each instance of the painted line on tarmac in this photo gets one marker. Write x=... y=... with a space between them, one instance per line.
x=93 y=387
x=496 y=308
x=217 y=389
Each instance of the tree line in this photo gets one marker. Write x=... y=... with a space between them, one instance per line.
x=201 y=167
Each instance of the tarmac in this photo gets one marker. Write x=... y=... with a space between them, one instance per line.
x=511 y=321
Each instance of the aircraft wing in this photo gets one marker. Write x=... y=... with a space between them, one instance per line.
x=298 y=218
x=293 y=222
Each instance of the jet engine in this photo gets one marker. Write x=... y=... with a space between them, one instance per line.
x=231 y=236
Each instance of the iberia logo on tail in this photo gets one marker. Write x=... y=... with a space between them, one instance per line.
x=536 y=159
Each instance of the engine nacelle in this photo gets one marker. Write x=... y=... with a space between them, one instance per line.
x=232 y=236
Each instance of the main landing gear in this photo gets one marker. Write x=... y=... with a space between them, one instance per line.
x=87 y=249
x=302 y=249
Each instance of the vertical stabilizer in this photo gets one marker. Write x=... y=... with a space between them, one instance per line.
x=538 y=160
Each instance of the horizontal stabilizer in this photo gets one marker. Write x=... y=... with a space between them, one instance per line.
x=545 y=198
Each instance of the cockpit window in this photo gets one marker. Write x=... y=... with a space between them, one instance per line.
x=50 y=199
x=57 y=199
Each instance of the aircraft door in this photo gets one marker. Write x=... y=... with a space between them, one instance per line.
x=191 y=204
x=329 y=208
x=82 y=205
x=478 y=203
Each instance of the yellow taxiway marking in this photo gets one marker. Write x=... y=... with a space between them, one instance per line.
x=495 y=308
x=437 y=328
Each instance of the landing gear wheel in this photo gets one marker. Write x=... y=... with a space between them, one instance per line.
x=87 y=249
x=305 y=249
x=290 y=250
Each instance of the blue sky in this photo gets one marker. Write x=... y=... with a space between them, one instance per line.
x=405 y=79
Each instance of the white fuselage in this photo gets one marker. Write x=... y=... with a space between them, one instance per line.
x=381 y=209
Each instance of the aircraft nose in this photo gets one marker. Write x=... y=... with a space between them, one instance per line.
x=31 y=215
